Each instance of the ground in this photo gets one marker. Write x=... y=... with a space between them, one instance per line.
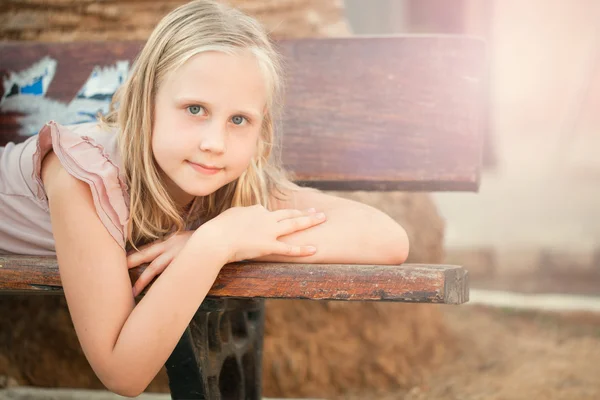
x=502 y=354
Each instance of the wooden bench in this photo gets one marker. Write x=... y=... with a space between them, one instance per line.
x=377 y=113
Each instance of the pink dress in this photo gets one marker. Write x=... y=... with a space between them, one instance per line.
x=87 y=152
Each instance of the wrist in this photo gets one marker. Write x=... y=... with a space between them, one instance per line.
x=210 y=238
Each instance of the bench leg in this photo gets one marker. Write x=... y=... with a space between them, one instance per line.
x=220 y=354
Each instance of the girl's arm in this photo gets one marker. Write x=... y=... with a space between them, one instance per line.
x=125 y=344
x=354 y=233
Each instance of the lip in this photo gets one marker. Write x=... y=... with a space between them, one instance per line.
x=205 y=169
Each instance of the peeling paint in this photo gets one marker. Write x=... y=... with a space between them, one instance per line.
x=25 y=93
x=33 y=81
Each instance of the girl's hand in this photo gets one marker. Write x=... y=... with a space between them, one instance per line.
x=159 y=254
x=255 y=226
x=245 y=233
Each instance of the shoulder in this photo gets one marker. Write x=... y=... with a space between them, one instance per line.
x=80 y=163
x=64 y=192
x=57 y=181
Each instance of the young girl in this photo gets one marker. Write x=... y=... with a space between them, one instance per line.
x=182 y=164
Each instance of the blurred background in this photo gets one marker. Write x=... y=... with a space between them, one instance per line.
x=530 y=237
x=535 y=224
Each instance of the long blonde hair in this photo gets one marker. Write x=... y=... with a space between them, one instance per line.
x=190 y=29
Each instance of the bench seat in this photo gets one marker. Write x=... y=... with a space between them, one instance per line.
x=407 y=282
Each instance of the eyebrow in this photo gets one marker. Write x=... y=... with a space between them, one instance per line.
x=189 y=100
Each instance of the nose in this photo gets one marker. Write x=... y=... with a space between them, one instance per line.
x=213 y=138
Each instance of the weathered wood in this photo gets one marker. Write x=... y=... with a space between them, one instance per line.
x=388 y=113
x=402 y=283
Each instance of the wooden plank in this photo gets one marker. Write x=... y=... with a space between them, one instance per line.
x=400 y=283
x=376 y=113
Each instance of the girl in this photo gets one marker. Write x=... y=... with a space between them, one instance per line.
x=183 y=162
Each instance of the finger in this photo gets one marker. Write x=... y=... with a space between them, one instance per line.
x=155 y=268
x=287 y=213
x=292 y=225
x=280 y=215
x=294 y=251
x=140 y=248
x=146 y=254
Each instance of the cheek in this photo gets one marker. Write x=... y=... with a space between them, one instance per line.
x=239 y=155
x=157 y=150
x=249 y=151
x=168 y=139
x=157 y=138
x=164 y=148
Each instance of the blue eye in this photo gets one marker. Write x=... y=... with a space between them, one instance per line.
x=238 y=120
x=195 y=110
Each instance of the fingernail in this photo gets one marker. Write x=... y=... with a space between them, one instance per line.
x=320 y=216
x=312 y=249
x=312 y=210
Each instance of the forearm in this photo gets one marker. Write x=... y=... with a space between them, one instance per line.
x=353 y=234
x=156 y=324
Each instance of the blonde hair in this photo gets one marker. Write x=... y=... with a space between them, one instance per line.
x=193 y=28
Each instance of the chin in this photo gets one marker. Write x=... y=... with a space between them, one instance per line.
x=201 y=189
x=196 y=187
x=200 y=192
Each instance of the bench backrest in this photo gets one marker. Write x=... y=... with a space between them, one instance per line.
x=388 y=113
x=377 y=113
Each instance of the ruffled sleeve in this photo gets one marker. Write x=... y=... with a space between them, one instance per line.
x=86 y=160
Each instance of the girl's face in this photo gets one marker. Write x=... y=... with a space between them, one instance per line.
x=207 y=121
